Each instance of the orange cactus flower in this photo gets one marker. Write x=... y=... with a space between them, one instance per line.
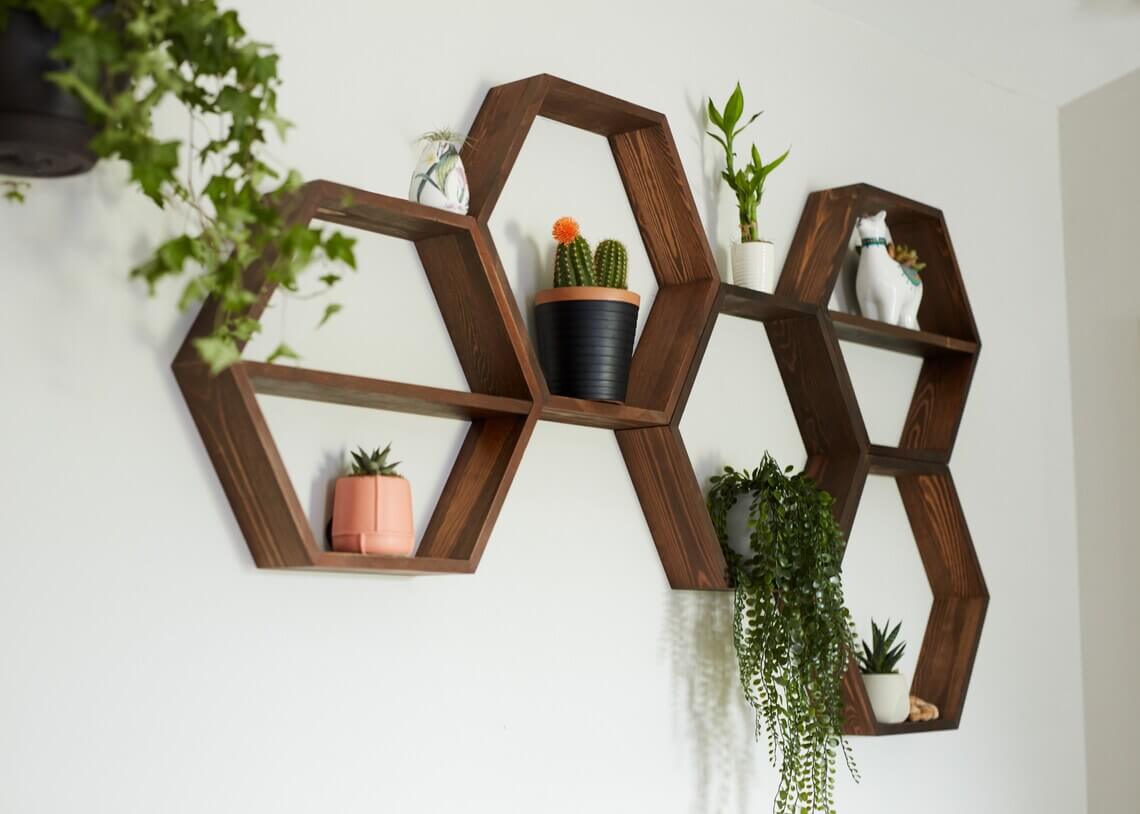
x=565 y=230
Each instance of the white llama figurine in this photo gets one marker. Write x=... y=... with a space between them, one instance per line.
x=887 y=290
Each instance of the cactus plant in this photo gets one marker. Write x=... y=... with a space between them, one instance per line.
x=572 y=264
x=611 y=262
x=364 y=464
x=879 y=657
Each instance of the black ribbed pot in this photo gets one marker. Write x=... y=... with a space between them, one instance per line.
x=585 y=340
x=43 y=129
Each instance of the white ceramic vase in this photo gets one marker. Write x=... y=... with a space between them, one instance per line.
x=754 y=265
x=439 y=179
x=886 y=290
x=890 y=696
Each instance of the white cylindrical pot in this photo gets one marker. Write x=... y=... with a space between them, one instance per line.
x=890 y=696
x=754 y=265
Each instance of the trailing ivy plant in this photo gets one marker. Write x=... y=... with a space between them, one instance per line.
x=124 y=59
x=791 y=629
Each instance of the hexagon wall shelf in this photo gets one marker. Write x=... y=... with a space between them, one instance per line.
x=509 y=394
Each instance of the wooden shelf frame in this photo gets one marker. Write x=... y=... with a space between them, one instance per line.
x=508 y=394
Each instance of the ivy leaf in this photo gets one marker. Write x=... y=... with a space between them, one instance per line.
x=282 y=351
x=219 y=352
x=338 y=247
x=330 y=309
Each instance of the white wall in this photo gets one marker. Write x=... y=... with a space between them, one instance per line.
x=146 y=665
x=1101 y=173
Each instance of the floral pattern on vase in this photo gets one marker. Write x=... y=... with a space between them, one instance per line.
x=439 y=179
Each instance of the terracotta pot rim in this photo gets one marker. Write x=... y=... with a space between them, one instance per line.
x=597 y=293
x=365 y=477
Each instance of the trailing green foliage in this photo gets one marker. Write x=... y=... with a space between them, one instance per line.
x=374 y=464
x=880 y=656
x=792 y=632
x=572 y=264
x=126 y=58
x=611 y=264
x=747 y=183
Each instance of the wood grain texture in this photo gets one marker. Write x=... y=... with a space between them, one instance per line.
x=674 y=508
x=382 y=214
x=816 y=253
x=938 y=403
x=894 y=461
x=760 y=306
x=487 y=342
x=672 y=343
x=248 y=465
x=593 y=110
x=944 y=542
x=496 y=137
x=377 y=394
x=604 y=414
x=475 y=489
x=818 y=386
x=663 y=206
x=876 y=334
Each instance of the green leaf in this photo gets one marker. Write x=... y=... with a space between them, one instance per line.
x=714 y=116
x=338 y=247
x=330 y=309
x=218 y=352
x=733 y=109
x=282 y=351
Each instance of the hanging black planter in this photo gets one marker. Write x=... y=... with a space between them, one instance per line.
x=585 y=340
x=43 y=129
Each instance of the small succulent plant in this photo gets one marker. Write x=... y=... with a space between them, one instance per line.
x=572 y=263
x=880 y=656
x=905 y=256
x=364 y=464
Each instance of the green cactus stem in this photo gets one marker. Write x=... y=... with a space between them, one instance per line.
x=611 y=262
x=572 y=264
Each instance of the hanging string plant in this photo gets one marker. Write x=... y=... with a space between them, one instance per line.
x=792 y=631
x=122 y=60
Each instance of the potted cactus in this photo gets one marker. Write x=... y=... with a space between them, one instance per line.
x=586 y=323
x=887 y=688
x=372 y=507
x=753 y=258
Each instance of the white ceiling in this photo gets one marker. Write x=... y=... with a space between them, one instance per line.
x=1055 y=50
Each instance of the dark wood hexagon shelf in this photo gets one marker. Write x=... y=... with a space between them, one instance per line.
x=509 y=394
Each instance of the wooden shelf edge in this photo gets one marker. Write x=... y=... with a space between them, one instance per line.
x=605 y=415
x=384 y=214
x=746 y=303
x=875 y=334
x=377 y=394
x=914 y=727
x=380 y=564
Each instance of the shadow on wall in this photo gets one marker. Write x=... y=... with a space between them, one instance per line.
x=710 y=184
x=710 y=715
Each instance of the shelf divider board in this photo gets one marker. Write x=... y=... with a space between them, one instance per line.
x=876 y=334
x=377 y=394
x=674 y=508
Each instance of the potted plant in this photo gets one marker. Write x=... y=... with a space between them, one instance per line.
x=791 y=630
x=887 y=689
x=82 y=80
x=439 y=179
x=372 y=507
x=586 y=323
x=753 y=258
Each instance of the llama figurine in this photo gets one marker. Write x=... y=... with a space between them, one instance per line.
x=887 y=290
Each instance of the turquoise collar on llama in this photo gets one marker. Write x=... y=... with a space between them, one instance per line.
x=874 y=241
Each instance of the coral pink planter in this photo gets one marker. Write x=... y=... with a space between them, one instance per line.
x=372 y=514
